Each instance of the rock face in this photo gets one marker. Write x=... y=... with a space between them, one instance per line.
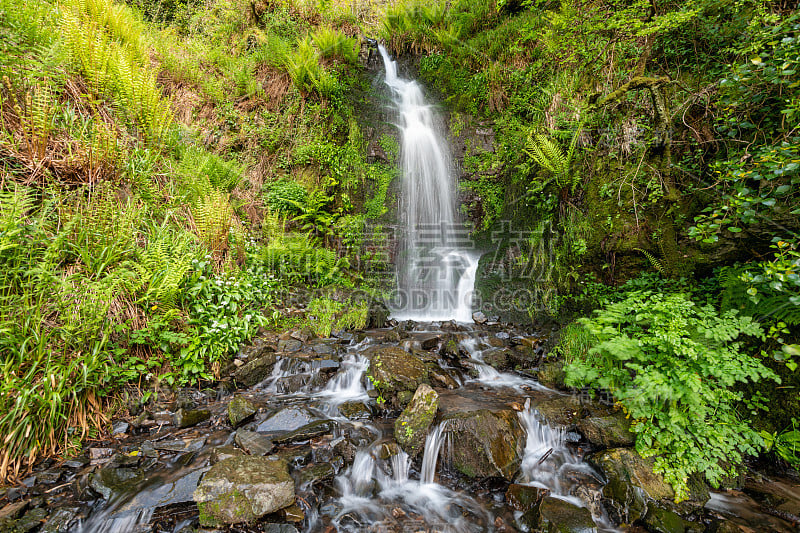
x=486 y=443
x=255 y=371
x=632 y=484
x=242 y=489
x=395 y=370
x=411 y=427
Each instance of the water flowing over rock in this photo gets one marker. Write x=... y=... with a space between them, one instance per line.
x=435 y=277
x=486 y=443
x=411 y=427
x=242 y=489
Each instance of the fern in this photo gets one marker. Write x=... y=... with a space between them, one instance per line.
x=549 y=155
x=657 y=264
x=212 y=216
x=162 y=267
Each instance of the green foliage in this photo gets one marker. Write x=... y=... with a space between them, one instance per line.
x=673 y=366
x=333 y=44
x=297 y=259
x=329 y=315
x=550 y=156
x=786 y=443
x=285 y=195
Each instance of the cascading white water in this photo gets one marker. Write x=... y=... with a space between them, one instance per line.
x=436 y=277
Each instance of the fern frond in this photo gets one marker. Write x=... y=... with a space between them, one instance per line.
x=657 y=263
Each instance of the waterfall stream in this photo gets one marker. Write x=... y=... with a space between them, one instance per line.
x=435 y=273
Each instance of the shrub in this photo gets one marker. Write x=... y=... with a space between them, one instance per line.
x=673 y=366
x=285 y=195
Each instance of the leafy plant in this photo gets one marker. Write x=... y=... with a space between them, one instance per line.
x=673 y=366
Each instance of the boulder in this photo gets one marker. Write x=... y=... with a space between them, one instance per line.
x=486 y=443
x=220 y=453
x=499 y=358
x=240 y=410
x=551 y=374
x=255 y=371
x=561 y=410
x=394 y=370
x=411 y=427
x=632 y=484
x=243 y=489
x=252 y=442
x=524 y=497
x=307 y=432
x=429 y=341
x=560 y=516
x=612 y=431
x=479 y=318
x=185 y=418
x=355 y=410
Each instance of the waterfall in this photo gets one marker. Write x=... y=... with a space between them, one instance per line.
x=435 y=275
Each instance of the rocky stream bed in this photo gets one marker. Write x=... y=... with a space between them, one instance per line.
x=418 y=427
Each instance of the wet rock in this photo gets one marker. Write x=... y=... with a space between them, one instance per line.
x=278 y=528
x=561 y=411
x=289 y=345
x=77 y=462
x=111 y=480
x=524 y=497
x=119 y=428
x=451 y=350
x=293 y=513
x=659 y=520
x=302 y=335
x=307 y=432
x=499 y=358
x=292 y=384
x=172 y=492
x=551 y=374
x=12 y=511
x=30 y=520
x=188 y=418
x=479 y=318
x=243 y=489
x=608 y=431
x=255 y=371
x=97 y=454
x=178 y=445
x=395 y=370
x=411 y=427
x=441 y=377
x=560 y=516
x=429 y=341
x=162 y=418
x=259 y=348
x=287 y=419
x=49 y=477
x=240 y=410
x=632 y=484
x=316 y=473
x=253 y=443
x=355 y=410
x=220 y=453
x=486 y=443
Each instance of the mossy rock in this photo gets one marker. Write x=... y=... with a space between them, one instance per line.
x=256 y=370
x=560 y=516
x=243 y=489
x=240 y=410
x=411 y=427
x=608 y=431
x=395 y=370
x=632 y=485
x=486 y=443
x=551 y=374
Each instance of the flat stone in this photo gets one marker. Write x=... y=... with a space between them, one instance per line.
x=255 y=371
x=240 y=410
x=307 y=432
x=287 y=419
x=13 y=511
x=243 y=489
x=355 y=410
x=289 y=345
x=179 y=445
x=220 y=453
x=180 y=490
x=253 y=443
x=30 y=521
x=61 y=520
x=479 y=318
x=120 y=428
